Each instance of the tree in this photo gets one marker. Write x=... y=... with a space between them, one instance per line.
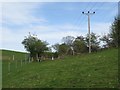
x=40 y=48
x=94 y=41
x=80 y=38
x=55 y=54
x=79 y=45
x=63 y=49
x=112 y=39
x=56 y=47
x=35 y=46
x=68 y=40
x=107 y=40
x=115 y=32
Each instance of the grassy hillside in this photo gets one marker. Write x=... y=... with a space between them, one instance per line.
x=95 y=70
x=8 y=55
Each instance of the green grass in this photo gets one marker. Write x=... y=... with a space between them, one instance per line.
x=8 y=55
x=95 y=70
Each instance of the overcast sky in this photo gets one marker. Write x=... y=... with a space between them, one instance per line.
x=51 y=21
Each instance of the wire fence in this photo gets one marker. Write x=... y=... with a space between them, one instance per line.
x=10 y=66
x=15 y=65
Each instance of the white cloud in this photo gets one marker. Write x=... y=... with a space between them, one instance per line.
x=20 y=13
x=52 y=34
x=100 y=28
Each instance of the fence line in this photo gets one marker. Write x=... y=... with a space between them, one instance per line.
x=16 y=64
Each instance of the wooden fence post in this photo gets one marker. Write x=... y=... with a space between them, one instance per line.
x=13 y=58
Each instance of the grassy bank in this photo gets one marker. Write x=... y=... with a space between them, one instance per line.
x=95 y=70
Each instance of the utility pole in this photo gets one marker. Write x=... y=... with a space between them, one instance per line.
x=88 y=14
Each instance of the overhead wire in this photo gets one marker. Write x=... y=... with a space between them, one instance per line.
x=89 y=9
x=93 y=6
x=109 y=17
x=92 y=9
x=82 y=20
x=81 y=15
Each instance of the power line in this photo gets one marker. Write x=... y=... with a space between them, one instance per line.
x=82 y=19
x=95 y=9
x=100 y=5
x=115 y=6
x=79 y=19
x=101 y=13
x=93 y=6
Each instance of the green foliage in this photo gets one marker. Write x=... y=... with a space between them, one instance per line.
x=56 y=47
x=113 y=38
x=79 y=45
x=35 y=46
x=63 y=49
x=55 y=55
x=40 y=47
x=68 y=40
x=94 y=41
x=115 y=32
x=107 y=40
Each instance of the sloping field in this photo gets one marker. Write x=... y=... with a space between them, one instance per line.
x=8 y=55
x=95 y=70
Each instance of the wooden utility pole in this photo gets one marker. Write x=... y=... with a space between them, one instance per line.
x=88 y=14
